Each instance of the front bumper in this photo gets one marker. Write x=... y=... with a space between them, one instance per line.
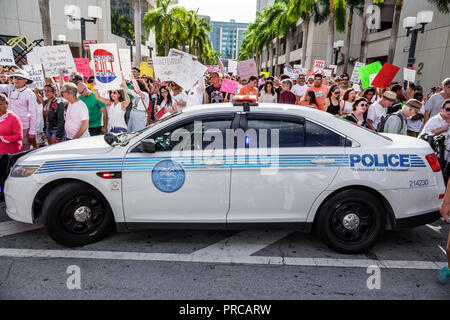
x=416 y=221
x=19 y=195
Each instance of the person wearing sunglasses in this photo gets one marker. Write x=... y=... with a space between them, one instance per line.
x=332 y=102
x=22 y=101
x=432 y=107
x=359 y=107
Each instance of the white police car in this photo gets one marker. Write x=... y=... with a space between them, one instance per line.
x=231 y=167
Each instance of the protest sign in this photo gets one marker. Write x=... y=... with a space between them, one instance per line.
x=188 y=72
x=125 y=63
x=178 y=53
x=107 y=71
x=289 y=71
x=33 y=58
x=247 y=68
x=385 y=75
x=6 y=56
x=166 y=67
x=213 y=69
x=366 y=71
x=232 y=66
x=334 y=67
x=83 y=66
x=229 y=86
x=146 y=70
x=56 y=59
x=36 y=74
x=409 y=75
x=267 y=74
x=355 y=75
x=298 y=70
x=328 y=72
x=319 y=65
x=371 y=78
x=222 y=69
x=161 y=113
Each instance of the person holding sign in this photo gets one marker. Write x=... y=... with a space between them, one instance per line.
x=213 y=93
x=23 y=104
x=11 y=133
x=53 y=114
x=165 y=103
x=139 y=118
x=117 y=103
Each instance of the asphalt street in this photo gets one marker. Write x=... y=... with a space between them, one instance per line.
x=267 y=264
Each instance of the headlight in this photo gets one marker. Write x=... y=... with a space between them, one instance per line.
x=23 y=171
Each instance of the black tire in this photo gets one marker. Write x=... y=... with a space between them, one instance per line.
x=345 y=237
x=58 y=213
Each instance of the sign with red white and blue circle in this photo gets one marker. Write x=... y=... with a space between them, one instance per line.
x=104 y=66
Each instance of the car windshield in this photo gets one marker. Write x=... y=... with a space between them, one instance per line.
x=125 y=138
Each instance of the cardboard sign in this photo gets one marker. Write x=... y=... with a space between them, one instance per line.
x=328 y=72
x=125 y=63
x=319 y=65
x=409 y=75
x=267 y=74
x=107 y=70
x=6 y=56
x=385 y=76
x=83 y=66
x=334 y=67
x=232 y=66
x=289 y=71
x=213 y=69
x=298 y=70
x=366 y=71
x=166 y=67
x=222 y=69
x=56 y=59
x=36 y=73
x=355 y=75
x=33 y=58
x=188 y=72
x=87 y=43
x=146 y=70
x=247 y=68
x=229 y=86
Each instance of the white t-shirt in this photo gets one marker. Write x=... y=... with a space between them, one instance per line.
x=163 y=104
x=141 y=106
x=299 y=90
x=376 y=111
x=75 y=114
x=181 y=97
x=435 y=123
x=348 y=107
x=267 y=97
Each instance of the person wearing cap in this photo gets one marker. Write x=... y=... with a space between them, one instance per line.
x=398 y=122
x=378 y=109
x=22 y=101
x=433 y=105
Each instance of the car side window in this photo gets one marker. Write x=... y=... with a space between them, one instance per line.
x=196 y=135
x=318 y=136
x=289 y=134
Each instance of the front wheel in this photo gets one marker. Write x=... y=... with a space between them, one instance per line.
x=351 y=221
x=76 y=214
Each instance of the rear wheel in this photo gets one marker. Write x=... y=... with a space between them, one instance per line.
x=351 y=221
x=76 y=214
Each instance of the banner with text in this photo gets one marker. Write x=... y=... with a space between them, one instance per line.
x=6 y=56
x=107 y=70
x=36 y=74
x=229 y=86
x=319 y=65
x=125 y=63
x=247 y=68
x=355 y=75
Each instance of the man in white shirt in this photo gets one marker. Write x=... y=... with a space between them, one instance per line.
x=379 y=109
x=300 y=88
x=439 y=124
x=77 y=114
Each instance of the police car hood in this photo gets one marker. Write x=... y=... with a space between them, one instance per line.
x=70 y=149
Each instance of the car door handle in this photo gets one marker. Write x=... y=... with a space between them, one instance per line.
x=323 y=161
x=213 y=162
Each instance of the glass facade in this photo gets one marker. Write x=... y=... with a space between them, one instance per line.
x=122 y=18
x=227 y=38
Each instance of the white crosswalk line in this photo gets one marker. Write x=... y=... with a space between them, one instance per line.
x=13 y=227
x=244 y=243
x=249 y=260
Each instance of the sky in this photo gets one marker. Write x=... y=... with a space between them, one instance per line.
x=220 y=10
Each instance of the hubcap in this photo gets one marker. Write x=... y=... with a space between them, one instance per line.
x=351 y=221
x=82 y=214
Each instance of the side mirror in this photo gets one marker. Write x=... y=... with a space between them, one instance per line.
x=149 y=146
x=111 y=139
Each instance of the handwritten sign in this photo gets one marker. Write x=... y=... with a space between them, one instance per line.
x=355 y=75
x=6 y=56
x=106 y=66
x=232 y=66
x=166 y=67
x=289 y=71
x=319 y=65
x=83 y=66
x=33 y=58
x=125 y=63
x=247 y=68
x=36 y=74
x=146 y=70
x=213 y=69
x=409 y=75
x=189 y=72
x=229 y=86
x=56 y=59
x=328 y=72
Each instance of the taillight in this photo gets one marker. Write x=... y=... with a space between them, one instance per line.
x=434 y=162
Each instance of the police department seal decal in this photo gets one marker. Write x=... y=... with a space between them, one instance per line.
x=168 y=176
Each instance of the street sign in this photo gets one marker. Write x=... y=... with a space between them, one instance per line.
x=86 y=43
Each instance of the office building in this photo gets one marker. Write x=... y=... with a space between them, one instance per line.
x=227 y=38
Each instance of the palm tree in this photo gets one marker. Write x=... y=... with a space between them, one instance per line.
x=164 y=22
x=352 y=5
x=270 y=15
x=365 y=33
x=44 y=8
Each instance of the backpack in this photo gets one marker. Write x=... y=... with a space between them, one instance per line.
x=382 y=124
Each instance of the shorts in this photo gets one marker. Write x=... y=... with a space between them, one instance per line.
x=95 y=131
x=50 y=133
x=118 y=130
